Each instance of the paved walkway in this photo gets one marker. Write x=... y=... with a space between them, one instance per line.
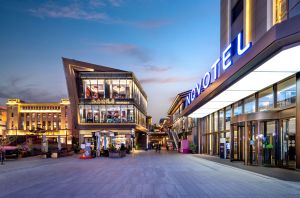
x=142 y=174
x=279 y=173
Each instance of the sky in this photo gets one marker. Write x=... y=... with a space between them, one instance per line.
x=168 y=44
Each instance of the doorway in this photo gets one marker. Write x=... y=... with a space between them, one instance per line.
x=288 y=143
x=237 y=141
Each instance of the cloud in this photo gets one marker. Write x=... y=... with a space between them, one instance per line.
x=153 y=68
x=125 y=49
x=96 y=3
x=150 y=24
x=72 y=11
x=16 y=87
x=90 y=12
x=162 y=80
x=116 y=3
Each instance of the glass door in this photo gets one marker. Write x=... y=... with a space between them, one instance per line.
x=288 y=143
x=237 y=147
x=269 y=141
x=253 y=143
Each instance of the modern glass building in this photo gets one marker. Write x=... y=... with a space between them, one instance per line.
x=248 y=103
x=106 y=100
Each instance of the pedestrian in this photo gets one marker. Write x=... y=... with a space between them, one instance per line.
x=159 y=148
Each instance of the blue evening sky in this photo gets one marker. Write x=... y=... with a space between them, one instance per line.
x=168 y=44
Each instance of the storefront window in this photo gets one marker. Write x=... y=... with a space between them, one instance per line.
x=286 y=93
x=228 y=117
x=89 y=113
x=250 y=104
x=210 y=123
x=109 y=114
x=99 y=89
x=221 y=120
x=238 y=108
x=265 y=100
x=96 y=114
x=216 y=121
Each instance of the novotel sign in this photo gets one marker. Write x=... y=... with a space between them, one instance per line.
x=234 y=48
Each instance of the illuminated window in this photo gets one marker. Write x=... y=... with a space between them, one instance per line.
x=279 y=11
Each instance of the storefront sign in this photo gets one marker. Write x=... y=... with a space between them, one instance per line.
x=234 y=48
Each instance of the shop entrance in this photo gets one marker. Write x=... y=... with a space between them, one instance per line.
x=288 y=142
x=253 y=142
x=237 y=141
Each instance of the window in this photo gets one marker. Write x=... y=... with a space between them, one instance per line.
x=237 y=10
x=216 y=122
x=238 y=108
x=249 y=104
x=228 y=117
x=265 y=99
x=280 y=7
x=221 y=120
x=286 y=92
x=294 y=8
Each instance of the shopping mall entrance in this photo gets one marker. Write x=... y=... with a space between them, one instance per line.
x=265 y=142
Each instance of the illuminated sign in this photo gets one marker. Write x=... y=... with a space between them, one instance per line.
x=234 y=48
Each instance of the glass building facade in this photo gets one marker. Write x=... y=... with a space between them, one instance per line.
x=250 y=109
x=106 y=100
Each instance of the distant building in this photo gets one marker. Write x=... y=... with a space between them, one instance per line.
x=52 y=119
x=2 y=120
x=106 y=100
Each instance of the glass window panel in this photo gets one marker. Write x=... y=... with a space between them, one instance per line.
x=102 y=110
x=101 y=89
x=89 y=113
x=129 y=89
x=238 y=108
x=216 y=122
x=115 y=88
x=265 y=100
x=123 y=87
x=228 y=117
x=286 y=93
x=250 y=104
x=82 y=114
x=221 y=120
x=96 y=114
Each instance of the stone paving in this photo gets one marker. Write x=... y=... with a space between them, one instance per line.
x=142 y=174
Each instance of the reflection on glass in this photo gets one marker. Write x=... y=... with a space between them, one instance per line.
x=227 y=117
x=265 y=100
x=250 y=104
x=216 y=121
x=286 y=92
x=221 y=120
x=238 y=108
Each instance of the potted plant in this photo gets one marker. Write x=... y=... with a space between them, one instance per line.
x=192 y=148
x=113 y=152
